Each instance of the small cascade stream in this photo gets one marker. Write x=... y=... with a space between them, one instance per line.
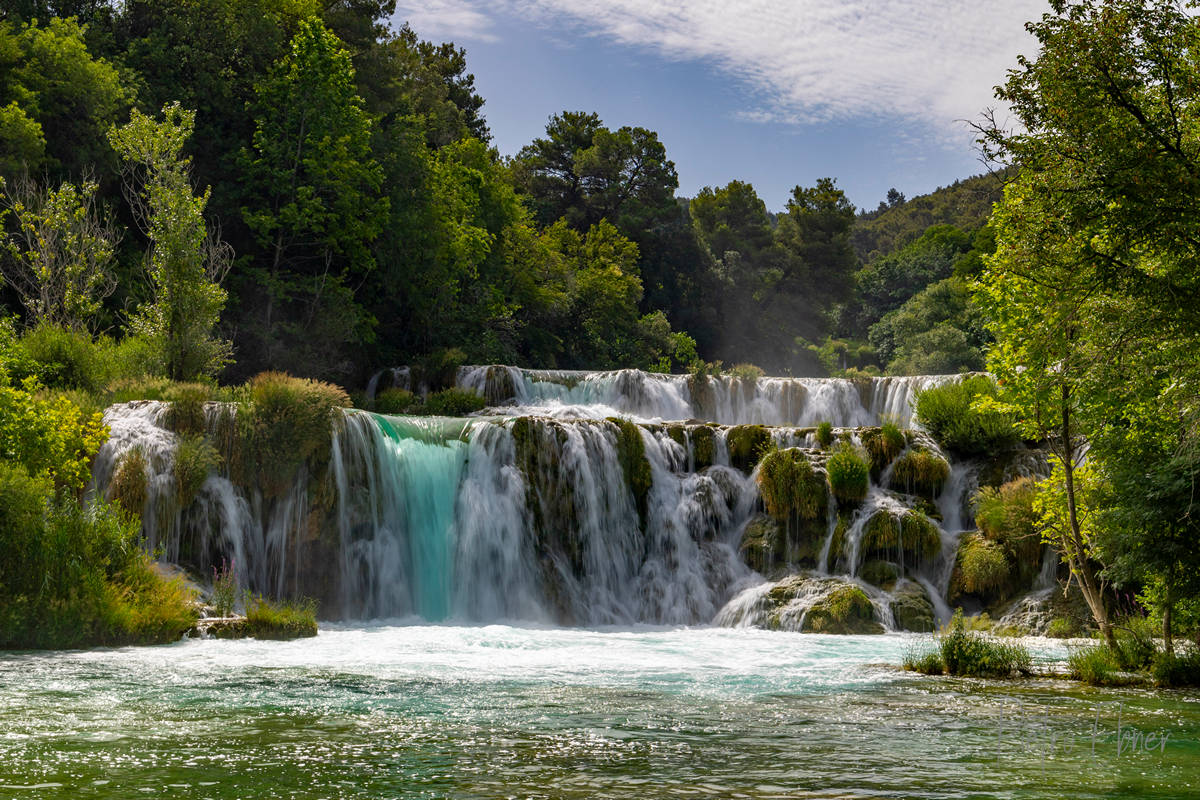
x=608 y=498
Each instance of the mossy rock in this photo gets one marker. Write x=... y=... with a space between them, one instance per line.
x=762 y=544
x=879 y=573
x=980 y=569
x=910 y=536
x=631 y=453
x=746 y=444
x=704 y=449
x=921 y=472
x=678 y=434
x=913 y=610
x=845 y=610
x=883 y=444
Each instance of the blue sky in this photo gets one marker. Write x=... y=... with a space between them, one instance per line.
x=873 y=93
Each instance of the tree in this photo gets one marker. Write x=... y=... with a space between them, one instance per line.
x=314 y=203
x=60 y=253
x=186 y=261
x=583 y=172
x=56 y=100
x=1097 y=240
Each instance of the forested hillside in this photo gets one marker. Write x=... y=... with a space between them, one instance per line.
x=352 y=213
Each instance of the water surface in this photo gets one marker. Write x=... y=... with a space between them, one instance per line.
x=497 y=712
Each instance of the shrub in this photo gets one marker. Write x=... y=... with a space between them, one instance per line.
x=48 y=435
x=790 y=487
x=224 y=593
x=440 y=368
x=395 y=401
x=951 y=414
x=982 y=567
x=134 y=358
x=825 y=433
x=1177 y=671
x=66 y=359
x=85 y=580
x=123 y=390
x=746 y=372
x=968 y=653
x=195 y=459
x=453 y=403
x=923 y=660
x=921 y=472
x=129 y=481
x=286 y=422
x=1062 y=628
x=849 y=473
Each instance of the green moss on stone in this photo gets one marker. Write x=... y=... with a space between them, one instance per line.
x=920 y=472
x=845 y=610
x=631 y=452
x=879 y=573
x=912 y=609
x=746 y=444
x=703 y=446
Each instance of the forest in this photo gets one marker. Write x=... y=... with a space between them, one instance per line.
x=200 y=192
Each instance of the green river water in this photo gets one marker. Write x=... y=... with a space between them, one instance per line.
x=499 y=712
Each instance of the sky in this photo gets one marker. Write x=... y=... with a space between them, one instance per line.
x=874 y=93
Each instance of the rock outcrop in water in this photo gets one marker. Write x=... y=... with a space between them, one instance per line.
x=581 y=499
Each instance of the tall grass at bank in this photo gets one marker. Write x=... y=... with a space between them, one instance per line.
x=962 y=652
x=73 y=576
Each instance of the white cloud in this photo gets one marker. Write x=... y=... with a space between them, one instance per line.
x=445 y=20
x=931 y=61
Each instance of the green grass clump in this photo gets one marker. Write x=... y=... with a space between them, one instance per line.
x=129 y=481
x=186 y=414
x=926 y=662
x=921 y=472
x=849 y=473
x=453 y=403
x=790 y=487
x=1096 y=666
x=280 y=620
x=982 y=568
x=746 y=444
x=195 y=460
x=951 y=414
x=825 y=433
x=883 y=444
x=1005 y=515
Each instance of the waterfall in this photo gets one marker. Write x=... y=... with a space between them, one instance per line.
x=579 y=498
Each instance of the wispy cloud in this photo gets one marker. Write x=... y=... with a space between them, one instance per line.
x=806 y=61
x=446 y=19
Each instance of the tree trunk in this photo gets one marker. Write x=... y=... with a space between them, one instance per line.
x=1076 y=550
x=1168 y=602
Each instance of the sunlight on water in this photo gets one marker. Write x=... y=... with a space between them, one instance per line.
x=497 y=711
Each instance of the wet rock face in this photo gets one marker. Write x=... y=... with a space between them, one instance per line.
x=912 y=609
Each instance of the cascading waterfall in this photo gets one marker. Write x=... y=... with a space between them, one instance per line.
x=569 y=501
